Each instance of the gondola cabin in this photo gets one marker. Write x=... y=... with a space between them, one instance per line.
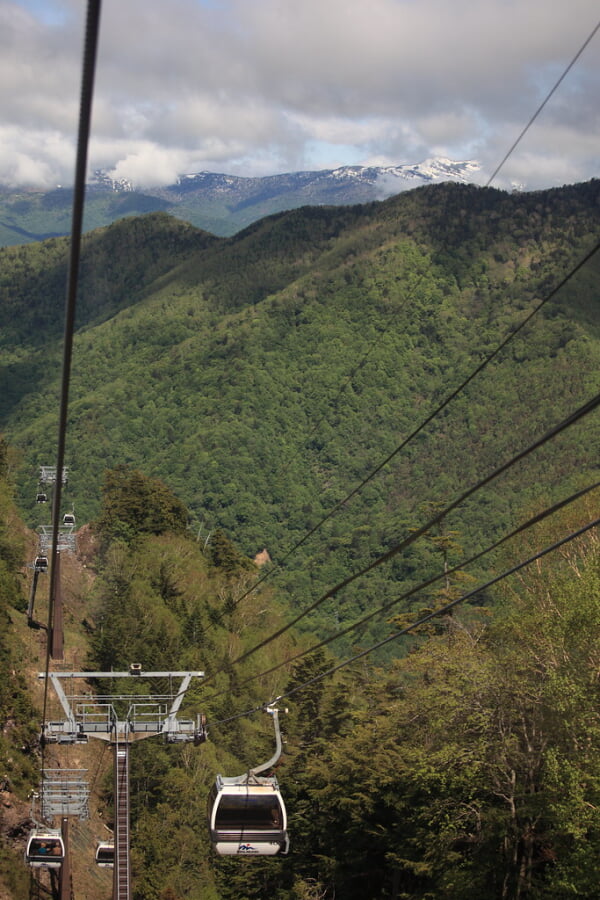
x=247 y=817
x=68 y=519
x=41 y=564
x=45 y=847
x=105 y=854
x=41 y=497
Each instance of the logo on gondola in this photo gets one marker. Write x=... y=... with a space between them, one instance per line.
x=247 y=848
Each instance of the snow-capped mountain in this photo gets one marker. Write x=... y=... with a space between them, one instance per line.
x=376 y=179
x=101 y=179
x=219 y=203
x=429 y=171
x=243 y=199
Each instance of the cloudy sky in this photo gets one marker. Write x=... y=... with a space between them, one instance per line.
x=258 y=87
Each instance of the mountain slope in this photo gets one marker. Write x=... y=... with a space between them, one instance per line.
x=264 y=376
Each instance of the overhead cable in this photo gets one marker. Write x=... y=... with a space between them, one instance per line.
x=570 y=420
x=386 y=607
x=85 y=113
x=423 y=620
x=476 y=372
x=419 y=428
x=542 y=105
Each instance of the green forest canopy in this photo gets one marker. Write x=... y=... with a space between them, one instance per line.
x=468 y=768
x=263 y=377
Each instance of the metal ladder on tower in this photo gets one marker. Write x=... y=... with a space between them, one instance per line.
x=121 y=873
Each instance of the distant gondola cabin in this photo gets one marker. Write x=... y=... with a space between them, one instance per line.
x=45 y=848
x=105 y=854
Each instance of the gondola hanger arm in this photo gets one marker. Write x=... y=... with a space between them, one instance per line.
x=274 y=712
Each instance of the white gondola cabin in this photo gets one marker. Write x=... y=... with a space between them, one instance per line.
x=41 y=497
x=247 y=817
x=46 y=848
x=246 y=814
x=105 y=854
x=41 y=564
x=68 y=519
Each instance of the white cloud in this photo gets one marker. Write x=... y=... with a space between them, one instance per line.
x=260 y=85
x=37 y=159
x=149 y=165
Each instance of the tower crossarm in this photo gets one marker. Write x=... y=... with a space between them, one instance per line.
x=124 y=713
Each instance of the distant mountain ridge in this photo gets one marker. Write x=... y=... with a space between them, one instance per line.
x=349 y=181
x=216 y=202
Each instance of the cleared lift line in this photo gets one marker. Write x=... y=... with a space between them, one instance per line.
x=54 y=641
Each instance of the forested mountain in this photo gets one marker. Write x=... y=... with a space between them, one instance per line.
x=466 y=769
x=228 y=395
x=265 y=376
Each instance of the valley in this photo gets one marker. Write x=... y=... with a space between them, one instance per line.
x=323 y=386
